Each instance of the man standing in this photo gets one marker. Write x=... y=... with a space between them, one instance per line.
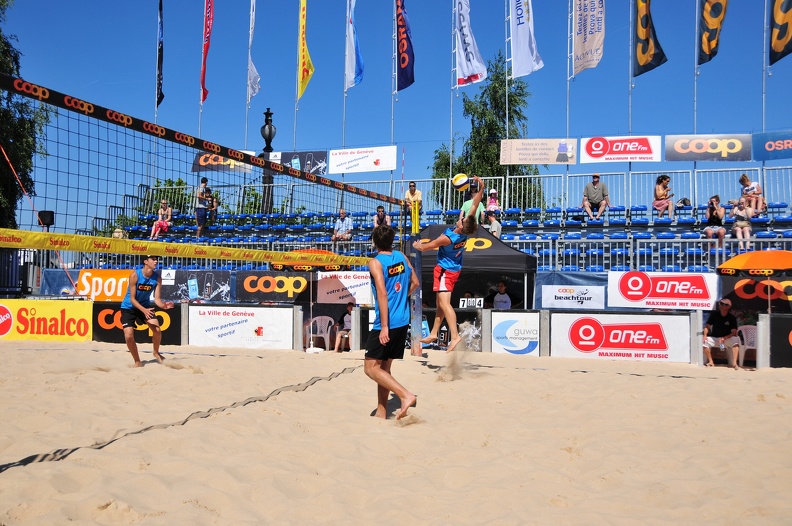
x=201 y=207
x=393 y=280
x=495 y=226
x=595 y=197
x=501 y=298
x=721 y=331
x=450 y=247
x=136 y=308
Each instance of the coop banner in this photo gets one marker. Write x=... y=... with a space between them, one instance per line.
x=653 y=338
x=312 y=162
x=107 y=325
x=343 y=287
x=663 y=290
x=246 y=327
x=735 y=147
x=48 y=320
x=214 y=162
x=355 y=160
x=515 y=333
x=538 y=151
x=270 y=287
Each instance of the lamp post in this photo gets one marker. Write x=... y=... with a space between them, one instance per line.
x=268 y=134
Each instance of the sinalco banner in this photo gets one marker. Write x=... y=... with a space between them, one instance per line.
x=723 y=147
x=355 y=160
x=538 y=151
x=632 y=148
x=48 y=320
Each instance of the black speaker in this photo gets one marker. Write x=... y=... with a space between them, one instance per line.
x=47 y=217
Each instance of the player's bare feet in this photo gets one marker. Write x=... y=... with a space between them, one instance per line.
x=137 y=364
x=453 y=343
x=380 y=414
x=408 y=402
x=158 y=357
x=429 y=339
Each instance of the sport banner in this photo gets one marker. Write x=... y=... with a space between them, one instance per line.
x=270 y=287
x=653 y=338
x=721 y=147
x=663 y=290
x=772 y=145
x=515 y=333
x=48 y=320
x=10 y=238
x=247 y=327
x=538 y=151
x=343 y=287
x=629 y=148
x=108 y=328
x=355 y=160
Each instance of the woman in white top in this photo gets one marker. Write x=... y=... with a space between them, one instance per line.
x=753 y=194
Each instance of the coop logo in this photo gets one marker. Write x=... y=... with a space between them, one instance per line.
x=708 y=147
x=280 y=284
x=618 y=146
x=636 y=286
x=396 y=269
x=728 y=271
x=749 y=289
x=210 y=146
x=515 y=338
x=303 y=267
x=325 y=181
x=6 y=320
x=189 y=140
x=588 y=335
x=338 y=185
x=565 y=291
x=120 y=118
x=153 y=129
x=236 y=154
x=31 y=89
x=110 y=319
x=352 y=189
x=760 y=272
x=332 y=267
x=79 y=105
x=297 y=173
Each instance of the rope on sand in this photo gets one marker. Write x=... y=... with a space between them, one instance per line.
x=60 y=454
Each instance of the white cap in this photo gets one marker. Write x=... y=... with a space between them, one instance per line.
x=493 y=191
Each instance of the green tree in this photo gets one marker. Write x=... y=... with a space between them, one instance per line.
x=480 y=153
x=22 y=129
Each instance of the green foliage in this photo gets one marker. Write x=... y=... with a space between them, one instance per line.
x=480 y=153
x=22 y=133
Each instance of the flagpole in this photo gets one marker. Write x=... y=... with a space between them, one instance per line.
x=453 y=84
x=631 y=5
x=394 y=85
x=507 y=39
x=765 y=67
x=696 y=70
x=570 y=70
x=297 y=83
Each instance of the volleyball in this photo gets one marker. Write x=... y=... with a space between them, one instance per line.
x=461 y=182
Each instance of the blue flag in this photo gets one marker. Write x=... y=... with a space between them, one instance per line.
x=405 y=60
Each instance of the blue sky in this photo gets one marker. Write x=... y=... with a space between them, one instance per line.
x=105 y=52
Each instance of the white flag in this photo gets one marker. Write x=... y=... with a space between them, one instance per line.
x=353 y=73
x=525 y=57
x=470 y=65
x=589 y=33
x=253 y=85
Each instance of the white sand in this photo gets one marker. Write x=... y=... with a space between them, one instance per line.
x=494 y=439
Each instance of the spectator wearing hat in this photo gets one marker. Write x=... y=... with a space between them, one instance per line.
x=492 y=203
x=720 y=331
x=494 y=225
x=595 y=197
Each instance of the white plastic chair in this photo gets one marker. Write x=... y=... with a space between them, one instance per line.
x=747 y=334
x=319 y=327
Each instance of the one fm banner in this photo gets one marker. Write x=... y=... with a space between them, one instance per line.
x=355 y=160
x=663 y=290
x=655 y=338
x=49 y=320
x=515 y=333
x=631 y=148
x=246 y=327
x=343 y=287
x=538 y=151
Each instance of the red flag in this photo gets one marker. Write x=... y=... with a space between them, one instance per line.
x=208 y=21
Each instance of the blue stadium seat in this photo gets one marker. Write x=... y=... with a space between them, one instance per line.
x=620 y=268
x=570 y=268
x=646 y=268
x=526 y=237
x=618 y=221
x=550 y=235
x=596 y=222
x=662 y=221
x=665 y=235
x=671 y=268
x=573 y=235
x=618 y=235
x=691 y=235
x=787 y=234
x=595 y=268
x=509 y=223
x=766 y=234
x=595 y=235
x=530 y=223
x=641 y=235
x=698 y=268
x=507 y=237
x=686 y=220
x=545 y=268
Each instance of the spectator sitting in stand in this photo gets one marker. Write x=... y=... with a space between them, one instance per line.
x=381 y=218
x=494 y=225
x=662 y=197
x=742 y=222
x=413 y=196
x=343 y=228
x=595 y=198
x=492 y=203
x=163 y=221
x=753 y=195
x=714 y=215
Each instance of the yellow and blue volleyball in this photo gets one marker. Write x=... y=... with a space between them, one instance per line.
x=461 y=182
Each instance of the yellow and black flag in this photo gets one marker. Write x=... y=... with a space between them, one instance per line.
x=713 y=12
x=780 y=30
x=647 y=53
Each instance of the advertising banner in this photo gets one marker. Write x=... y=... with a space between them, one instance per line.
x=214 y=162
x=312 y=162
x=354 y=160
x=772 y=145
x=736 y=147
x=103 y=284
x=48 y=320
x=515 y=333
x=652 y=338
x=573 y=297
x=259 y=287
x=343 y=287
x=538 y=151
x=663 y=290
x=631 y=148
x=107 y=325
x=589 y=31
x=206 y=285
x=246 y=327
x=780 y=340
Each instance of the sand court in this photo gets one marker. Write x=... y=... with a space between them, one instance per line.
x=287 y=437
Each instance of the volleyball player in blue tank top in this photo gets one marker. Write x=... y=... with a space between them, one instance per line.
x=450 y=247
x=393 y=280
x=136 y=308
